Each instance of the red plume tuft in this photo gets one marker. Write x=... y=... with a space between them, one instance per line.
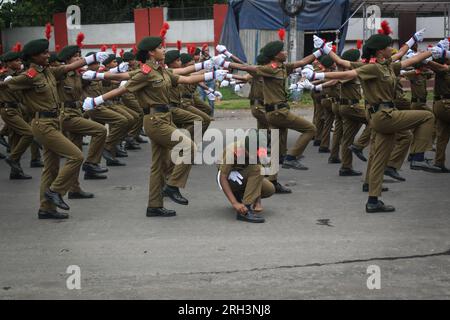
x=359 y=44
x=114 y=49
x=385 y=28
x=17 y=47
x=104 y=48
x=282 y=34
x=57 y=47
x=191 y=49
x=179 y=45
x=135 y=49
x=121 y=53
x=48 y=31
x=80 y=39
x=166 y=26
x=334 y=48
x=205 y=46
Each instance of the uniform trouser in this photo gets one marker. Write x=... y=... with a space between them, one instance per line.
x=134 y=108
x=254 y=186
x=20 y=135
x=328 y=115
x=34 y=147
x=386 y=123
x=185 y=119
x=425 y=107
x=202 y=105
x=318 y=116
x=283 y=120
x=56 y=145
x=442 y=112
x=132 y=118
x=206 y=120
x=353 y=118
x=259 y=113
x=159 y=128
x=118 y=125
x=338 y=132
x=402 y=143
x=77 y=127
x=4 y=132
x=364 y=140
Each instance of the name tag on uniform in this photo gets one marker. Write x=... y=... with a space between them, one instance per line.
x=67 y=88
x=158 y=83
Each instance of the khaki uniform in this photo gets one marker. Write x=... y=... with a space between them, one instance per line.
x=256 y=97
x=254 y=185
x=39 y=88
x=20 y=135
x=338 y=126
x=151 y=87
x=191 y=97
x=378 y=81
x=276 y=97
x=330 y=96
x=318 y=113
x=441 y=110
x=419 y=92
x=74 y=124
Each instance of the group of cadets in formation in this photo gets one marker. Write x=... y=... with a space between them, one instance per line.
x=50 y=101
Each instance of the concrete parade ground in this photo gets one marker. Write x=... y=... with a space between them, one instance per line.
x=317 y=243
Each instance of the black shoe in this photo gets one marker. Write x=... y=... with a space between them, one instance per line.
x=324 y=150
x=443 y=169
x=366 y=188
x=108 y=156
x=2 y=156
x=94 y=176
x=160 y=212
x=15 y=165
x=334 y=161
x=424 y=166
x=141 y=140
x=19 y=175
x=317 y=143
x=52 y=215
x=94 y=168
x=393 y=173
x=115 y=163
x=120 y=153
x=56 y=199
x=349 y=173
x=379 y=207
x=358 y=152
x=80 y=195
x=175 y=195
x=133 y=146
x=250 y=217
x=4 y=143
x=36 y=163
x=280 y=189
x=294 y=164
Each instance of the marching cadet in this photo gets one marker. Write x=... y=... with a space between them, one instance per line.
x=242 y=180
x=20 y=134
x=74 y=124
x=256 y=96
x=150 y=85
x=378 y=80
x=317 y=97
x=38 y=86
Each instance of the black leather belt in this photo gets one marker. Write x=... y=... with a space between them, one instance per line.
x=188 y=96
x=349 y=102
x=257 y=102
x=377 y=107
x=175 y=105
x=47 y=114
x=416 y=100
x=444 y=97
x=162 y=108
x=71 y=104
x=12 y=105
x=278 y=106
x=146 y=111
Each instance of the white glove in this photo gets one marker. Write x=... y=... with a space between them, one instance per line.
x=298 y=71
x=223 y=50
x=427 y=60
x=236 y=177
x=294 y=87
x=207 y=65
x=318 y=42
x=410 y=54
x=91 y=103
x=220 y=62
x=403 y=72
x=98 y=57
x=219 y=75
x=444 y=44
x=121 y=68
x=224 y=83
x=237 y=88
x=211 y=96
x=7 y=78
x=416 y=38
x=305 y=84
x=92 y=75
x=311 y=75
x=438 y=52
x=123 y=83
x=328 y=48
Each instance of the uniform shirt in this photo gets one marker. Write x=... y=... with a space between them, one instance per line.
x=442 y=85
x=351 y=90
x=70 y=87
x=378 y=80
x=332 y=92
x=175 y=92
x=151 y=84
x=275 y=78
x=418 y=81
x=226 y=168
x=6 y=94
x=92 y=88
x=257 y=88
x=39 y=87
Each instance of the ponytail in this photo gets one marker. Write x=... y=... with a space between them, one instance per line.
x=142 y=56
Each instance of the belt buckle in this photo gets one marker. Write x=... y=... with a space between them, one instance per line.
x=372 y=109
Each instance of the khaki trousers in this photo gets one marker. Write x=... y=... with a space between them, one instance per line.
x=442 y=112
x=20 y=135
x=254 y=186
x=259 y=113
x=353 y=118
x=328 y=116
x=338 y=132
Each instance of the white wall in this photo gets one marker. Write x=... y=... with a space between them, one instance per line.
x=104 y=33
x=191 y=31
x=23 y=35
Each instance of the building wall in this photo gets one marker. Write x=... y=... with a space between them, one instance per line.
x=23 y=35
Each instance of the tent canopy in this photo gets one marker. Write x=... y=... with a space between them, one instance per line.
x=268 y=15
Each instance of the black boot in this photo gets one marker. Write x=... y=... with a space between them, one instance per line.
x=37 y=163
x=80 y=195
x=280 y=189
x=366 y=188
x=131 y=144
x=121 y=153
x=52 y=215
x=393 y=173
x=174 y=194
x=4 y=143
x=250 y=217
x=15 y=165
x=334 y=161
x=379 y=207
x=358 y=152
x=56 y=199
x=2 y=156
x=94 y=176
x=317 y=143
x=19 y=175
x=94 y=168
x=160 y=212
x=349 y=173
x=324 y=150
x=141 y=140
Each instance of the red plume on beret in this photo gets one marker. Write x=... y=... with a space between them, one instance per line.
x=191 y=49
x=57 y=47
x=359 y=44
x=135 y=49
x=334 y=48
x=48 y=31
x=166 y=26
x=179 y=45
x=205 y=46
x=282 y=34
x=163 y=32
x=385 y=28
x=104 y=48
x=121 y=53
x=17 y=47
x=80 y=39
x=114 y=48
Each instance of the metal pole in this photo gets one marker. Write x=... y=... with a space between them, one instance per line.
x=364 y=22
x=293 y=36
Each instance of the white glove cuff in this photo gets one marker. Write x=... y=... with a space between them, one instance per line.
x=318 y=88
x=411 y=42
x=319 y=76
x=327 y=50
x=447 y=54
x=199 y=66
x=226 y=64
x=98 y=101
x=228 y=54
x=209 y=76
x=318 y=54
x=90 y=59
x=114 y=70
x=99 y=76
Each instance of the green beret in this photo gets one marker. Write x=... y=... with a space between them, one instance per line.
x=68 y=52
x=149 y=43
x=53 y=57
x=119 y=60
x=351 y=55
x=262 y=60
x=110 y=59
x=326 y=61
x=128 y=56
x=10 y=56
x=197 y=51
x=273 y=48
x=378 y=42
x=172 y=56
x=35 y=47
x=185 y=58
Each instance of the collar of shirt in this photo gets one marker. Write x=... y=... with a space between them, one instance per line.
x=153 y=64
x=37 y=67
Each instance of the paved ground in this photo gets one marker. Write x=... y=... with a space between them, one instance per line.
x=205 y=253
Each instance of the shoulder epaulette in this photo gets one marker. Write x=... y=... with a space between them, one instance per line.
x=146 y=69
x=31 y=73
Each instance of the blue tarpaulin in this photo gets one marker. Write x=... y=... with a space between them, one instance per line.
x=268 y=15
